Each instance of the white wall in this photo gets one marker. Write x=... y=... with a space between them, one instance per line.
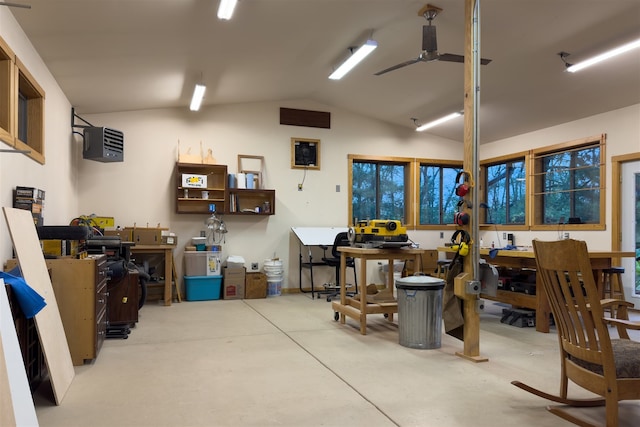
x=59 y=175
x=141 y=189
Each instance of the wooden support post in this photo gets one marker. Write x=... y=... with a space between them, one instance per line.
x=471 y=334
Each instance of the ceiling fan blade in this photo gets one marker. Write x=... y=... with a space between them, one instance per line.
x=395 y=67
x=459 y=58
x=450 y=57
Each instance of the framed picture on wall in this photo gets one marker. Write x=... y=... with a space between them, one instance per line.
x=305 y=153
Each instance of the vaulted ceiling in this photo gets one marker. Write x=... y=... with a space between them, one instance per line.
x=112 y=55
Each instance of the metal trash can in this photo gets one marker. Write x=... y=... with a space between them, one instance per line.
x=420 y=311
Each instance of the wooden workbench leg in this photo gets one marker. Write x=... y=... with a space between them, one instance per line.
x=168 y=273
x=391 y=282
x=363 y=296
x=174 y=277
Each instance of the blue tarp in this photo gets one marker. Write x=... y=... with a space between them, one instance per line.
x=30 y=301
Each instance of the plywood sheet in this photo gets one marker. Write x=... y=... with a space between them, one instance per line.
x=16 y=403
x=48 y=321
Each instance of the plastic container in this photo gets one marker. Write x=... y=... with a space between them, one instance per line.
x=274 y=287
x=420 y=311
x=199 y=242
x=202 y=263
x=274 y=270
x=202 y=288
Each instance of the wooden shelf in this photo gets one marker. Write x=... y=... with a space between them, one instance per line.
x=245 y=202
x=191 y=199
x=231 y=201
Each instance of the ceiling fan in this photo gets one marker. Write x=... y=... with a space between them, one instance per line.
x=430 y=44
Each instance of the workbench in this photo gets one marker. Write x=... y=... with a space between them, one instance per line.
x=539 y=302
x=166 y=252
x=359 y=309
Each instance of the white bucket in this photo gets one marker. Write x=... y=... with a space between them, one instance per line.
x=274 y=287
x=274 y=271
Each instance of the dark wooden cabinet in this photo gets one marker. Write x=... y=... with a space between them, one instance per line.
x=124 y=295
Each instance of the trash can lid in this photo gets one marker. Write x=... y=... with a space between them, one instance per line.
x=420 y=283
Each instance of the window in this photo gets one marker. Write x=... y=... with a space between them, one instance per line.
x=505 y=191
x=437 y=197
x=7 y=69
x=21 y=106
x=567 y=183
x=30 y=111
x=380 y=188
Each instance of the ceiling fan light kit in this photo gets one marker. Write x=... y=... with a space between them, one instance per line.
x=430 y=44
x=354 y=59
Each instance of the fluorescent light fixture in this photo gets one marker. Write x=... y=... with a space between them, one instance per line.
x=225 y=10
x=604 y=56
x=353 y=60
x=198 y=94
x=438 y=121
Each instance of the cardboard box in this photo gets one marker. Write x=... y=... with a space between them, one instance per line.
x=124 y=234
x=255 y=286
x=233 y=285
x=29 y=193
x=146 y=236
x=28 y=205
x=169 y=240
x=202 y=288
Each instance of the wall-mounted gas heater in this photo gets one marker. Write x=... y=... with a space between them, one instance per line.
x=101 y=144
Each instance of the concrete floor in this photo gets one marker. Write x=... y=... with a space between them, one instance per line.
x=284 y=361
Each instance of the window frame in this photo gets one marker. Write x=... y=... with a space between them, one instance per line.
x=537 y=182
x=7 y=92
x=28 y=87
x=16 y=80
x=482 y=189
x=458 y=164
x=409 y=181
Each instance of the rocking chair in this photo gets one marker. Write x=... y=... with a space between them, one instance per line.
x=606 y=367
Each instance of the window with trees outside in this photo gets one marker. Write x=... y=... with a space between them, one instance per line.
x=567 y=183
x=506 y=191
x=437 y=197
x=380 y=188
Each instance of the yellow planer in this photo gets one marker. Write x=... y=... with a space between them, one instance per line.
x=379 y=233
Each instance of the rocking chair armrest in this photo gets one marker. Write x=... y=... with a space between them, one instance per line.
x=627 y=324
x=614 y=303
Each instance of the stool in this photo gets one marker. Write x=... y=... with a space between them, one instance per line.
x=442 y=267
x=612 y=284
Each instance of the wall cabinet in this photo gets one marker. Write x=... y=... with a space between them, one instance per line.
x=200 y=185
x=251 y=202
